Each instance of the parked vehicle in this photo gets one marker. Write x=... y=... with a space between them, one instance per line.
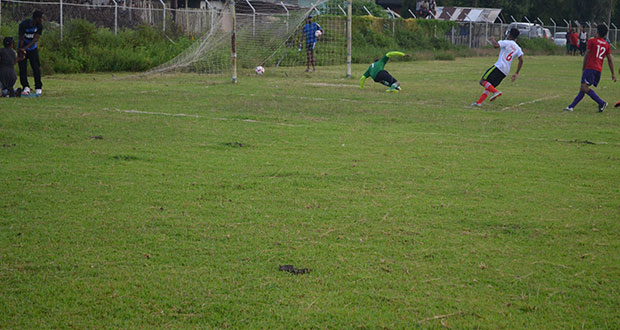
x=560 y=39
x=527 y=30
x=547 y=34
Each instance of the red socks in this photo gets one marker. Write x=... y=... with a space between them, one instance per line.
x=483 y=96
x=489 y=89
x=487 y=85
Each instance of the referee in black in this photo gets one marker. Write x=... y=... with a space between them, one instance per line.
x=29 y=33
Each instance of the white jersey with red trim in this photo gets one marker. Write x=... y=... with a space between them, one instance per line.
x=509 y=50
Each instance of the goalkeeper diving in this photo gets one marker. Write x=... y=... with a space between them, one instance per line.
x=380 y=75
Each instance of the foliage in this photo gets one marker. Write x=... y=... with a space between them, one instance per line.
x=87 y=48
x=540 y=45
x=372 y=36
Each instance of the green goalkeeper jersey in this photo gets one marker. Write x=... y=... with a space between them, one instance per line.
x=376 y=67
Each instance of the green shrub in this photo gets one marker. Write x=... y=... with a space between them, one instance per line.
x=545 y=46
x=79 y=31
x=86 y=48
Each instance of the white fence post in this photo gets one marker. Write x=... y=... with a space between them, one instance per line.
x=554 y=26
x=286 y=14
x=470 y=36
x=366 y=9
x=393 y=17
x=253 y=17
x=164 y=19
x=61 y=20
x=349 y=34
x=212 y=10
x=615 y=33
x=342 y=10
x=115 y=17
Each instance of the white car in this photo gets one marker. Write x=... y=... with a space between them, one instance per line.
x=560 y=39
x=526 y=30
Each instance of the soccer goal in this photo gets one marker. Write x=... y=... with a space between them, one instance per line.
x=253 y=33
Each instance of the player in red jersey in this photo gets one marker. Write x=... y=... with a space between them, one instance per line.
x=596 y=51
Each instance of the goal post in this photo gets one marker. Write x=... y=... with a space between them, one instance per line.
x=266 y=34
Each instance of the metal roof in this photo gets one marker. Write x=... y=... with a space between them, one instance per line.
x=468 y=14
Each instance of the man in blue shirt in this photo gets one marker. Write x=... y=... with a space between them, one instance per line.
x=310 y=33
x=29 y=33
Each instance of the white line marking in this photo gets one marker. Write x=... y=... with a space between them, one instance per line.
x=195 y=116
x=331 y=85
x=530 y=102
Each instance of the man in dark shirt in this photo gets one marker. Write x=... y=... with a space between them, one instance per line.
x=29 y=33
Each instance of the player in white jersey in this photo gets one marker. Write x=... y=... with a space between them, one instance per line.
x=509 y=50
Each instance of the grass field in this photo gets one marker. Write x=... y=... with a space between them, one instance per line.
x=171 y=201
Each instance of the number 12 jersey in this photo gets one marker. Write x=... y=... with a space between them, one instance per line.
x=598 y=50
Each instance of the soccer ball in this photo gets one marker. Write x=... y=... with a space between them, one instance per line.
x=318 y=33
x=259 y=70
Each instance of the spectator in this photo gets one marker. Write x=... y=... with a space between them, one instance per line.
x=574 y=42
x=423 y=12
x=29 y=33
x=583 y=38
x=8 y=58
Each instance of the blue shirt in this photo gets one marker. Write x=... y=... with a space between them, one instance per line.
x=28 y=30
x=309 y=30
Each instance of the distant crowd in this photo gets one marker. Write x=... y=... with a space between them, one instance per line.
x=576 y=40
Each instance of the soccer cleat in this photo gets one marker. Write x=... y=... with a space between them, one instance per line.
x=26 y=91
x=617 y=104
x=38 y=91
x=495 y=95
x=602 y=107
x=476 y=104
x=569 y=109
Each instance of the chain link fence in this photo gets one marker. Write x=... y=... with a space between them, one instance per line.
x=119 y=14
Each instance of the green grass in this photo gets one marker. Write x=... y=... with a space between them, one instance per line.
x=411 y=209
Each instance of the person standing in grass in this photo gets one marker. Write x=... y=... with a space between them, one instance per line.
x=509 y=50
x=29 y=33
x=596 y=51
x=309 y=32
x=381 y=76
x=8 y=58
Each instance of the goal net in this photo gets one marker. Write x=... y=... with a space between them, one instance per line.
x=267 y=34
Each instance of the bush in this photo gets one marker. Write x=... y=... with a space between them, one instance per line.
x=86 y=48
x=373 y=36
x=539 y=45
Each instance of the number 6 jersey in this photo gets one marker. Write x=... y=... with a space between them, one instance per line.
x=598 y=48
x=509 y=50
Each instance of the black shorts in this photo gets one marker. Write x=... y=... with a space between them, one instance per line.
x=494 y=76
x=310 y=47
x=385 y=78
